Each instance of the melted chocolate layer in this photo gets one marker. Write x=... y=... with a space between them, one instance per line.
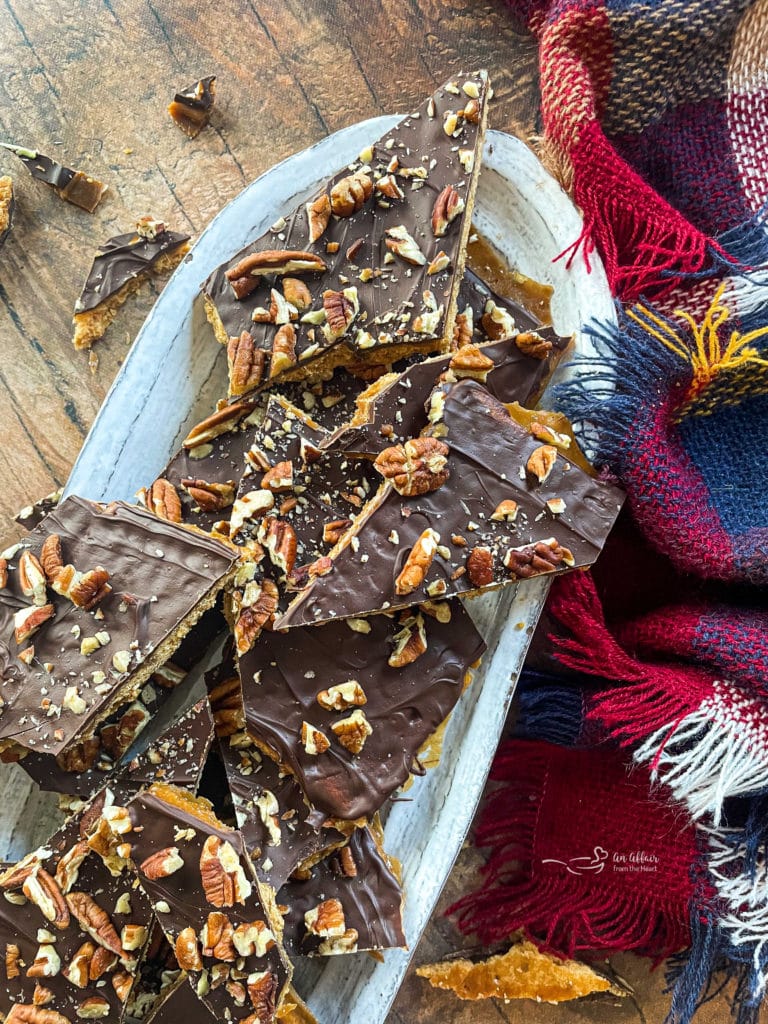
x=489 y=451
x=283 y=674
x=76 y=187
x=120 y=260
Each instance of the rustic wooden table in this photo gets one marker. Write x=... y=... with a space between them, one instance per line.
x=89 y=84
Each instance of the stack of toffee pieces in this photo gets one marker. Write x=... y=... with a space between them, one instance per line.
x=328 y=516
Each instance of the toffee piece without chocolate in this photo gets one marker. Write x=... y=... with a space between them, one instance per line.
x=369 y=269
x=120 y=267
x=75 y=187
x=7 y=205
x=191 y=108
x=94 y=601
x=347 y=707
x=482 y=503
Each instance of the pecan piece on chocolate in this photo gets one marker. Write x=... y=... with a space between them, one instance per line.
x=318 y=216
x=333 y=531
x=81 y=757
x=279 y=540
x=187 y=950
x=162 y=863
x=542 y=461
x=388 y=186
x=95 y=921
x=245 y=362
x=31 y=578
x=313 y=740
x=210 y=497
x=351 y=193
x=480 y=567
x=44 y=892
x=340 y=310
x=69 y=864
x=27 y=621
x=296 y=293
x=347 y=862
x=262 y=991
x=243 y=277
x=25 y=1013
x=216 y=937
x=86 y=589
x=400 y=241
x=122 y=983
x=448 y=206
x=219 y=422
x=3 y=573
x=353 y=731
x=278 y=477
x=497 y=323
x=253 y=938
x=342 y=696
x=162 y=499
x=77 y=971
x=505 y=511
x=471 y=362
x=410 y=642
x=51 y=557
x=416 y=467
x=224 y=881
x=283 y=350
x=534 y=559
x=417 y=564
x=255 y=609
x=532 y=344
x=326 y=919
x=12 y=957
x=93 y=1008
x=464 y=328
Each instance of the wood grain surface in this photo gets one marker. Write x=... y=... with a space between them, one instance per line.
x=89 y=84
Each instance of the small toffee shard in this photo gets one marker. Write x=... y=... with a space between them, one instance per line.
x=93 y=602
x=6 y=207
x=351 y=725
x=191 y=108
x=348 y=902
x=369 y=269
x=121 y=266
x=223 y=925
x=75 y=187
x=481 y=503
x=31 y=515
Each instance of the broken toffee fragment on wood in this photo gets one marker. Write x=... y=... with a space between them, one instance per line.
x=75 y=187
x=191 y=108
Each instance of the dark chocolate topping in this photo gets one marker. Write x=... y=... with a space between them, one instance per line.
x=76 y=187
x=31 y=515
x=165 y=826
x=284 y=673
x=371 y=899
x=198 y=96
x=143 y=555
x=180 y=1003
x=390 y=301
x=489 y=451
x=120 y=260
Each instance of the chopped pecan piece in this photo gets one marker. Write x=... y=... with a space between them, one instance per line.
x=347 y=862
x=416 y=467
x=283 y=350
x=81 y=757
x=497 y=323
x=350 y=194
x=224 y=881
x=86 y=589
x=256 y=611
x=342 y=696
x=3 y=573
x=244 y=276
x=95 y=921
x=69 y=864
x=505 y=511
x=253 y=939
x=31 y=578
x=44 y=892
x=279 y=539
x=297 y=293
x=216 y=937
x=326 y=919
x=27 y=621
x=47 y=962
x=51 y=557
x=532 y=344
x=480 y=567
x=403 y=244
x=101 y=962
x=318 y=216
x=22 y=1013
x=470 y=361
x=245 y=361
x=187 y=950
x=162 y=499
x=122 y=983
x=219 y=422
x=471 y=111
x=448 y=206
x=93 y=1008
x=262 y=991
x=464 y=328
x=278 y=478
x=313 y=740
x=410 y=642
x=210 y=497
x=542 y=461
x=388 y=186
x=534 y=559
x=42 y=995
x=353 y=731
x=162 y=863
x=333 y=531
x=417 y=564
x=12 y=957
x=340 y=310
x=77 y=971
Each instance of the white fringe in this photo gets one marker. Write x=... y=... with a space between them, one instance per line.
x=718 y=751
x=747 y=294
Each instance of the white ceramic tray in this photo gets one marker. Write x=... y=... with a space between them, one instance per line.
x=173 y=376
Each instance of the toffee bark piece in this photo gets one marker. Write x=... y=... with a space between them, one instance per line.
x=7 y=205
x=351 y=901
x=191 y=108
x=364 y=250
x=179 y=1003
x=512 y=507
x=118 y=589
x=75 y=187
x=523 y=972
x=209 y=903
x=121 y=266
x=79 y=926
x=31 y=515
x=333 y=706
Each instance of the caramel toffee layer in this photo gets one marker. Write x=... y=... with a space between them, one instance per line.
x=81 y=663
x=7 y=207
x=352 y=901
x=288 y=685
x=201 y=883
x=380 y=241
x=120 y=260
x=191 y=108
x=73 y=927
x=468 y=539
x=76 y=187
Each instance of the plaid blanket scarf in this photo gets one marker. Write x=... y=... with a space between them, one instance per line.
x=654 y=117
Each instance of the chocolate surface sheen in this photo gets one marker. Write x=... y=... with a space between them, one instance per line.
x=162 y=577
x=362 y=881
x=487 y=459
x=120 y=260
x=283 y=674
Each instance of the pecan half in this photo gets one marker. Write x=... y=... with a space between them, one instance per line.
x=283 y=350
x=216 y=937
x=187 y=950
x=340 y=310
x=27 y=621
x=278 y=477
x=245 y=362
x=318 y=216
x=87 y=589
x=31 y=578
x=94 y=921
x=350 y=194
x=224 y=881
x=44 y=892
x=279 y=540
x=219 y=422
x=480 y=566
x=326 y=919
x=532 y=344
x=162 y=863
x=162 y=499
x=262 y=991
x=417 y=563
x=542 y=461
x=534 y=559
x=77 y=971
x=244 y=276
x=256 y=614
x=416 y=467
x=448 y=206
x=50 y=556
x=410 y=642
x=210 y=497
x=399 y=241
x=21 y=1013
x=471 y=362
x=353 y=731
